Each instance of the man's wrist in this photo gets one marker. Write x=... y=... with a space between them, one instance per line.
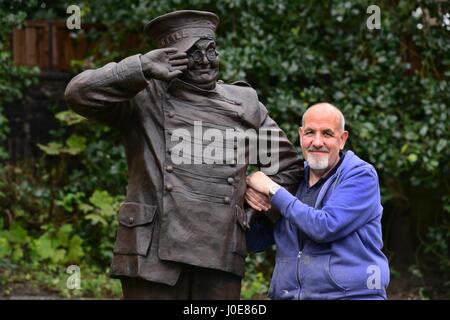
x=273 y=189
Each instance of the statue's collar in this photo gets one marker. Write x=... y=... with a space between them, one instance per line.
x=180 y=88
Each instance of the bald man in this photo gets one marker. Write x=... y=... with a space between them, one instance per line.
x=329 y=237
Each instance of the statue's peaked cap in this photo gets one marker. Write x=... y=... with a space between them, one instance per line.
x=181 y=29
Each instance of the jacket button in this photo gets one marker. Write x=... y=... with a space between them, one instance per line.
x=171 y=114
x=230 y=180
x=169 y=151
x=169 y=187
x=169 y=168
x=130 y=220
x=226 y=200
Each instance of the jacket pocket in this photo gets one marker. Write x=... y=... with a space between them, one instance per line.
x=240 y=227
x=135 y=230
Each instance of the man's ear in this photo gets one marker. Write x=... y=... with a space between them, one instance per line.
x=344 y=138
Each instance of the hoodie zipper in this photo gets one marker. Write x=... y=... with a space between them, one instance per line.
x=298 y=278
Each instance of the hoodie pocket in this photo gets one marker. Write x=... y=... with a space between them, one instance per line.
x=284 y=284
x=135 y=230
x=315 y=277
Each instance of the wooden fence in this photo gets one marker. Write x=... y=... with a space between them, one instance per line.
x=52 y=46
x=48 y=45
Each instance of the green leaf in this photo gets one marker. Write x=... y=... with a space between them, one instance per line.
x=404 y=148
x=58 y=256
x=84 y=207
x=69 y=117
x=76 y=144
x=442 y=144
x=63 y=234
x=53 y=148
x=412 y=158
x=96 y=218
x=44 y=247
x=5 y=248
x=17 y=234
x=102 y=200
x=75 y=249
x=17 y=254
x=411 y=136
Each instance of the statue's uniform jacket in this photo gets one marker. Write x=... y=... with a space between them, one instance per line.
x=176 y=213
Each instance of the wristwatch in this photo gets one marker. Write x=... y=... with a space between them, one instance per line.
x=272 y=190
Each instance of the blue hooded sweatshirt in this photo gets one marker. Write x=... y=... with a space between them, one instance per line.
x=331 y=251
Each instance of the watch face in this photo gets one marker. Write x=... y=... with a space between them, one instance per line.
x=273 y=189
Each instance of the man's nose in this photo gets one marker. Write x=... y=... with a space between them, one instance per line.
x=317 y=141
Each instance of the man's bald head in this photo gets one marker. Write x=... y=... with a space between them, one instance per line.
x=327 y=110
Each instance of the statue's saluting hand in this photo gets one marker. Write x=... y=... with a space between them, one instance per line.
x=164 y=64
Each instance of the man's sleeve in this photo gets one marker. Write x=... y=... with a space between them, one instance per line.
x=104 y=94
x=354 y=202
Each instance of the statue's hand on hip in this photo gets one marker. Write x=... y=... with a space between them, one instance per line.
x=164 y=64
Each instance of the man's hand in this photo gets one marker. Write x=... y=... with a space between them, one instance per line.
x=257 y=200
x=164 y=64
x=260 y=182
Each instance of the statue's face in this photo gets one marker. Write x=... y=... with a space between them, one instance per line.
x=203 y=65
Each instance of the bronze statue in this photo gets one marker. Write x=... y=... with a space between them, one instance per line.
x=181 y=231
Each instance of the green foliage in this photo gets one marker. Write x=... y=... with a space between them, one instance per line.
x=53 y=246
x=438 y=239
x=259 y=267
x=104 y=210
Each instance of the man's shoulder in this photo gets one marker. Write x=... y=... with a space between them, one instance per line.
x=356 y=165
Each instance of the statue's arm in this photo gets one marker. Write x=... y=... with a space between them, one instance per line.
x=285 y=167
x=104 y=94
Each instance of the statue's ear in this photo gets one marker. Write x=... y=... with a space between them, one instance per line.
x=241 y=84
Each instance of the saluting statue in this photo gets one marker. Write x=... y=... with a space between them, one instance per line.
x=181 y=231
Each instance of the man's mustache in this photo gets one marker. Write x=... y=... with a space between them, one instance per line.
x=322 y=149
